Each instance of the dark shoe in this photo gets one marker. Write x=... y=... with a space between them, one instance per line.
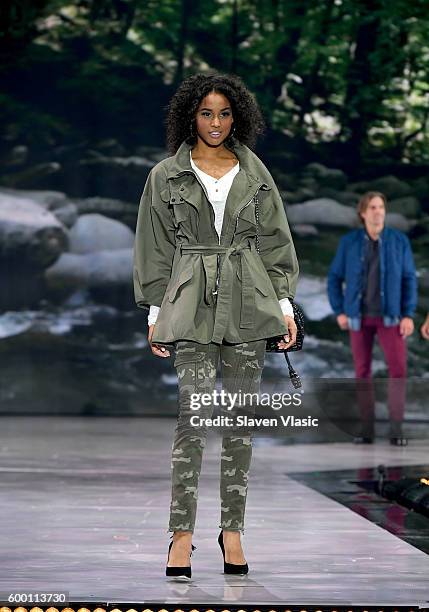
x=400 y=441
x=231 y=568
x=363 y=440
x=180 y=574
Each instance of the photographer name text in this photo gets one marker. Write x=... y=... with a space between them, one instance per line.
x=245 y=421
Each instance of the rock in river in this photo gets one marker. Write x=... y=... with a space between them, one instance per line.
x=29 y=233
x=95 y=232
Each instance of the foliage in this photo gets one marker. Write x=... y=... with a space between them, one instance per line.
x=350 y=76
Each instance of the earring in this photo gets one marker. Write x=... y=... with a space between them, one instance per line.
x=191 y=129
x=232 y=132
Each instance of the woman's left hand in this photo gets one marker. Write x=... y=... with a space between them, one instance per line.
x=290 y=338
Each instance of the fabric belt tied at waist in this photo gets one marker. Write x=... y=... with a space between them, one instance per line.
x=209 y=254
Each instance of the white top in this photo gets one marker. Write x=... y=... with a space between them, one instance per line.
x=217 y=190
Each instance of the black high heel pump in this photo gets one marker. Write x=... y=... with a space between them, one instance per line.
x=181 y=574
x=231 y=568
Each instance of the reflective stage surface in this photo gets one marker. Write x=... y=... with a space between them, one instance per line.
x=84 y=508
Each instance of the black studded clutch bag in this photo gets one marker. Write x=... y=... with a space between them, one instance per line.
x=299 y=321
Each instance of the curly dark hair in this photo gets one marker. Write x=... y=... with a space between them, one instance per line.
x=181 y=110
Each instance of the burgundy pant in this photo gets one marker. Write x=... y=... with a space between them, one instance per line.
x=395 y=354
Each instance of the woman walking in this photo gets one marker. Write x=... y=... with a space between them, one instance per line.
x=216 y=274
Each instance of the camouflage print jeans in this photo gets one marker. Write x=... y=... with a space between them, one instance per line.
x=241 y=371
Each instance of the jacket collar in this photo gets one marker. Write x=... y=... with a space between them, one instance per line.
x=181 y=162
x=381 y=236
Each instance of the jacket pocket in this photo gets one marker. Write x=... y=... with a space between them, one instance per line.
x=261 y=289
x=248 y=213
x=180 y=208
x=258 y=282
x=184 y=277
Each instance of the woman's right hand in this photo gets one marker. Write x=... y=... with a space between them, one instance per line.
x=159 y=351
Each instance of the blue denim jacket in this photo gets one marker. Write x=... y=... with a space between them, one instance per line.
x=398 y=281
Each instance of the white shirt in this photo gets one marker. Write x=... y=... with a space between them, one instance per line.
x=217 y=190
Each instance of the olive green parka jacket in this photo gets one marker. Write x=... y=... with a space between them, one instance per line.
x=210 y=289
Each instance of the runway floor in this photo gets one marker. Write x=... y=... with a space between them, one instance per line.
x=84 y=508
